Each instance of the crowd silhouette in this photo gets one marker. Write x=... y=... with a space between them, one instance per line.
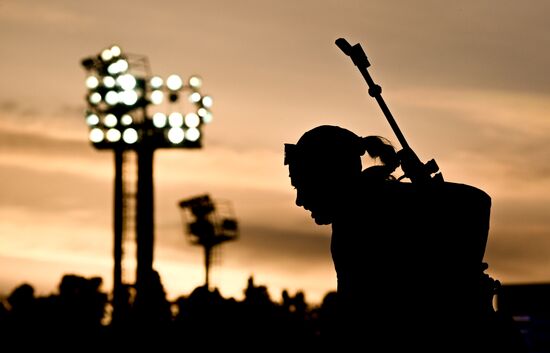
x=78 y=315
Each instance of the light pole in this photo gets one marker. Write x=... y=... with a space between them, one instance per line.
x=208 y=225
x=129 y=109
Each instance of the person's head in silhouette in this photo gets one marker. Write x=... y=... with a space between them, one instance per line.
x=325 y=167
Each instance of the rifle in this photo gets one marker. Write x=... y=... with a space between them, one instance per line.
x=412 y=166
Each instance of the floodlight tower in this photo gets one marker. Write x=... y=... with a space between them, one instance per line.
x=208 y=226
x=129 y=109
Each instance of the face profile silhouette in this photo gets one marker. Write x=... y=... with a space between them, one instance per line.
x=322 y=165
x=325 y=168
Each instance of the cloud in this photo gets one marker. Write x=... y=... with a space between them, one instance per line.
x=519 y=240
x=38 y=14
x=53 y=192
x=485 y=45
x=493 y=138
x=276 y=248
x=8 y=106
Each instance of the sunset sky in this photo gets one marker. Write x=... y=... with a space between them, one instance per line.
x=468 y=82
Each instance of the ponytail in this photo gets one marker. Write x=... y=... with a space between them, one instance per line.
x=379 y=147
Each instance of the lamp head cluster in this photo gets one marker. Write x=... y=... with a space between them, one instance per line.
x=208 y=224
x=119 y=95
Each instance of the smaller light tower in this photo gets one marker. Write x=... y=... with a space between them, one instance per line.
x=208 y=226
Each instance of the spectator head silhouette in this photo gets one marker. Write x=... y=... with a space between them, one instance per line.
x=325 y=167
x=21 y=297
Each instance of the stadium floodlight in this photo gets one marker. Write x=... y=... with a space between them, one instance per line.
x=119 y=91
x=157 y=96
x=156 y=82
x=159 y=120
x=174 y=82
x=195 y=82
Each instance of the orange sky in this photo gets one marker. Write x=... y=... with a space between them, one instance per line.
x=468 y=82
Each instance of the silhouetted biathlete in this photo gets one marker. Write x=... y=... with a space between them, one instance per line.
x=408 y=257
